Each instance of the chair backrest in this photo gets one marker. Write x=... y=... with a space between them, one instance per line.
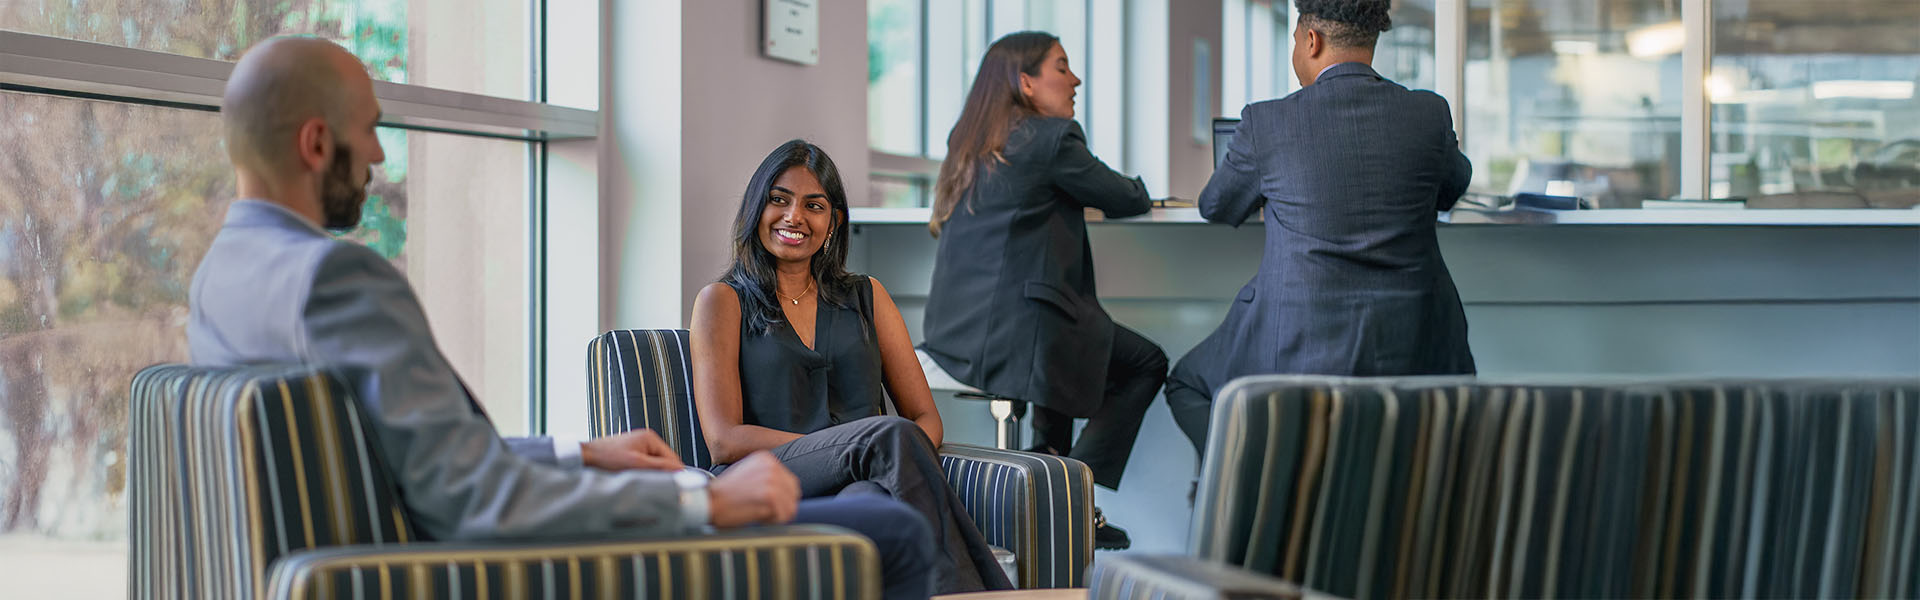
x=643 y=378
x=1456 y=487
x=232 y=468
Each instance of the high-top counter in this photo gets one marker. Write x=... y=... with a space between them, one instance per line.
x=1468 y=216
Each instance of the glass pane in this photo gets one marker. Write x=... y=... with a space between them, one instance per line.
x=1254 y=56
x=1236 y=53
x=949 y=41
x=1575 y=98
x=1283 y=78
x=890 y=191
x=1405 y=52
x=100 y=233
x=1814 y=106
x=478 y=46
x=893 y=76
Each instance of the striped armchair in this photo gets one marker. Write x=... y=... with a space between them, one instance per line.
x=1039 y=507
x=260 y=482
x=1457 y=487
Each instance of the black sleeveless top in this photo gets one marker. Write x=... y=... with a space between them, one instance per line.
x=786 y=386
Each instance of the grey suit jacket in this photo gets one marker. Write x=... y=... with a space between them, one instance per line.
x=275 y=288
x=1351 y=172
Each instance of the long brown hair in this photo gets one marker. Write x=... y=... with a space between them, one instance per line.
x=994 y=105
x=752 y=271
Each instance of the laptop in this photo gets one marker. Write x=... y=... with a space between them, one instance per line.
x=1223 y=129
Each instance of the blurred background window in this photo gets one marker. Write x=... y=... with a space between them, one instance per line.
x=106 y=209
x=922 y=56
x=1404 y=54
x=474 y=46
x=1813 y=103
x=1575 y=98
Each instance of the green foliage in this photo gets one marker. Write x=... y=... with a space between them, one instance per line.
x=380 y=229
x=395 y=143
x=889 y=28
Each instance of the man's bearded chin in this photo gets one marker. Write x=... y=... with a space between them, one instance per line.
x=340 y=199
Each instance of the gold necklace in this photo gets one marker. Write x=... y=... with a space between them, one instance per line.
x=796 y=298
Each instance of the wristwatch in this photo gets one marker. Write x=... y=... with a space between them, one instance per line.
x=693 y=498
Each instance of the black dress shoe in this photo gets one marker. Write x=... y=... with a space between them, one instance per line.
x=1106 y=536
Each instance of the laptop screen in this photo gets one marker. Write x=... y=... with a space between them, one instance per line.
x=1223 y=129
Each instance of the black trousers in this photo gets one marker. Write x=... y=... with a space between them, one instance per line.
x=895 y=455
x=1135 y=370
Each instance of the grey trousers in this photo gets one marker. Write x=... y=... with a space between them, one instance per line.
x=895 y=455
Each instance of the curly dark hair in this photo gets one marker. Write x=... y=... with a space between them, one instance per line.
x=1346 y=23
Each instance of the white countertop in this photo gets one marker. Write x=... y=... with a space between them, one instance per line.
x=1661 y=216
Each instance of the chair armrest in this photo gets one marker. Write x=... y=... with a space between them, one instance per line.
x=750 y=563
x=1185 y=578
x=1038 y=506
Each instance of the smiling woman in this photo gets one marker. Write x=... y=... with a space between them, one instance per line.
x=794 y=356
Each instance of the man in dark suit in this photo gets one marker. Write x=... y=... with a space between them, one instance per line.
x=300 y=116
x=1351 y=171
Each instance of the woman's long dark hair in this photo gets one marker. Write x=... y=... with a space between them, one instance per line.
x=994 y=106
x=752 y=272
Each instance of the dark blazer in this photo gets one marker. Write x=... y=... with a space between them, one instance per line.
x=1013 y=309
x=1351 y=172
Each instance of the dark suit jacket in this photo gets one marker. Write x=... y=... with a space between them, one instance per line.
x=1352 y=172
x=1013 y=309
x=274 y=288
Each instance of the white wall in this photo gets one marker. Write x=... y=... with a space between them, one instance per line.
x=693 y=107
x=738 y=105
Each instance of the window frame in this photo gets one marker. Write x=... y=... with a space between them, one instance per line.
x=55 y=66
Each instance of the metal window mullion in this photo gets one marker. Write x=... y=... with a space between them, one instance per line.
x=1696 y=59
x=57 y=65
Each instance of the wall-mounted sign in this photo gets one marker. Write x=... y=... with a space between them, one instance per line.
x=792 y=30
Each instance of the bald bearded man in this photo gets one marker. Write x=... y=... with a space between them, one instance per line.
x=299 y=116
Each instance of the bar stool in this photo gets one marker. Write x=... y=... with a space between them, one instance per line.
x=1006 y=411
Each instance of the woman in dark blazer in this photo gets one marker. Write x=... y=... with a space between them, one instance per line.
x=1012 y=309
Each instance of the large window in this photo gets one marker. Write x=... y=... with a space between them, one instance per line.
x=1575 y=98
x=1254 y=62
x=922 y=56
x=1796 y=103
x=1405 y=52
x=1814 y=103
x=476 y=46
x=116 y=179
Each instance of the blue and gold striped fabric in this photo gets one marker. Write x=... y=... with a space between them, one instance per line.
x=1457 y=487
x=643 y=378
x=1039 y=507
x=236 y=473
x=777 y=562
x=234 y=468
